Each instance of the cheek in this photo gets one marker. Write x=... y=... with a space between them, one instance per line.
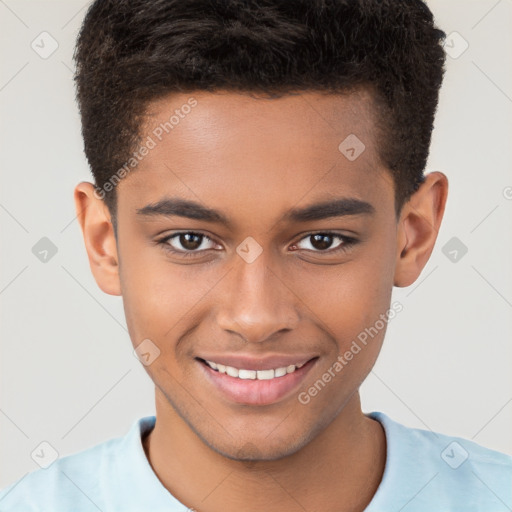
x=347 y=297
x=369 y=307
x=351 y=302
x=160 y=297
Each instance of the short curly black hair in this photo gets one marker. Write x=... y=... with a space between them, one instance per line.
x=131 y=52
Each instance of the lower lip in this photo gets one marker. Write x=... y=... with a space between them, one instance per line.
x=254 y=391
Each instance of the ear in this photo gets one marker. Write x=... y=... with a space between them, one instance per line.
x=418 y=226
x=99 y=237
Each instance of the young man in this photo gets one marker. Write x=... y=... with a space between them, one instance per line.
x=259 y=190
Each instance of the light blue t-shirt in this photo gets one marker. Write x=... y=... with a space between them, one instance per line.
x=424 y=471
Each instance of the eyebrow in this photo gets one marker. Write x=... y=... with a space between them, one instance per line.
x=169 y=207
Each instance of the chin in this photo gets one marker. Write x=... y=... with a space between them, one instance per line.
x=263 y=448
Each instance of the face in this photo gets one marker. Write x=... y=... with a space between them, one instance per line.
x=254 y=287
x=257 y=241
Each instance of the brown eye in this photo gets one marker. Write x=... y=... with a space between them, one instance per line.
x=321 y=241
x=187 y=243
x=190 y=241
x=325 y=242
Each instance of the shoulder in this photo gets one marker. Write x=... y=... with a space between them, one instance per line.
x=73 y=482
x=450 y=471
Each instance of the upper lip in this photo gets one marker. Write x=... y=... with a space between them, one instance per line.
x=267 y=362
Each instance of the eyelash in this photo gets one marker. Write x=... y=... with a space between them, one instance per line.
x=347 y=242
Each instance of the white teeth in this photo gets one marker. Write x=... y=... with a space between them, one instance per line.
x=253 y=374
x=246 y=374
x=265 y=374
x=232 y=372
x=279 y=372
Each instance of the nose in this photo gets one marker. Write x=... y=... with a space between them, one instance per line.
x=255 y=302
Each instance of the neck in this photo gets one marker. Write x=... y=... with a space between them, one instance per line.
x=339 y=470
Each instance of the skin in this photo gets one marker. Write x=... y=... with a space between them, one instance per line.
x=254 y=159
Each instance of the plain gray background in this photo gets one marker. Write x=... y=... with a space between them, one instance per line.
x=68 y=374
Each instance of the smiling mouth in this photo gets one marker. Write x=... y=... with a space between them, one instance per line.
x=245 y=374
x=256 y=386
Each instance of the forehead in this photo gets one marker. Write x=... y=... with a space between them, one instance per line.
x=231 y=151
x=227 y=119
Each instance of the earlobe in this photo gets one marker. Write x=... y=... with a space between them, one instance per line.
x=99 y=238
x=418 y=227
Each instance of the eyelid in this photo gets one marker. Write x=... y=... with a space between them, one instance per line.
x=164 y=241
x=346 y=242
